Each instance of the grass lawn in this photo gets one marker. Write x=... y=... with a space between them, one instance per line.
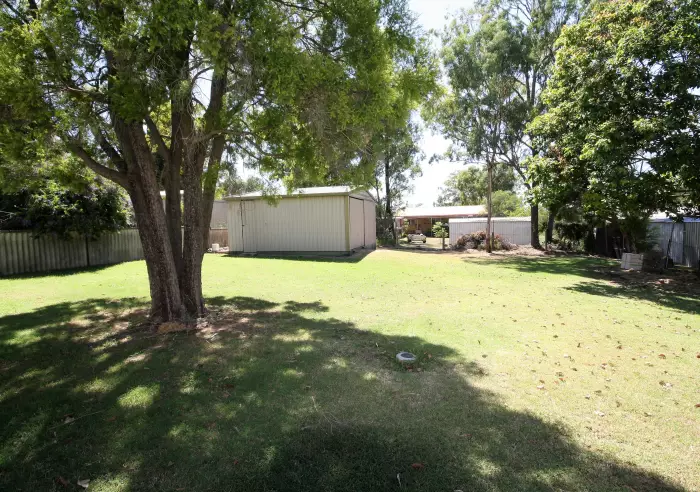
x=533 y=374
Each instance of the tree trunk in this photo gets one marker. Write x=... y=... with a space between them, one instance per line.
x=209 y=186
x=387 y=191
x=166 y=302
x=535 y=227
x=488 y=209
x=549 y=235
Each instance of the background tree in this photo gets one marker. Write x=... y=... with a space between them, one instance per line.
x=480 y=110
x=54 y=209
x=517 y=41
x=469 y=186
x=149 y=94
x=621 y=133
x=397 y=166
x=507 y=204
x=231 y=183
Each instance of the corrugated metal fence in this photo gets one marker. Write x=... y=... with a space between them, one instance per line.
x=20 y=252
x=515 y=230
x=685 y=241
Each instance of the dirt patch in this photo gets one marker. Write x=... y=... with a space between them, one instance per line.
x=675 y=281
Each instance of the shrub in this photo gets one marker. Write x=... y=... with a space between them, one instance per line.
x=477 y=240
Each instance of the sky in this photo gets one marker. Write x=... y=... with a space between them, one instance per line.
x=431 y=15
x=426 y=188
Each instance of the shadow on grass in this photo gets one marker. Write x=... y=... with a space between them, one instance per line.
x=675 y=289
x=318 y=257
x=267 y=397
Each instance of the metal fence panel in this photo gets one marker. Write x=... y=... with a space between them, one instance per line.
x=20 y=252
x=691 y=245
x=513 y=230
x=115 y=248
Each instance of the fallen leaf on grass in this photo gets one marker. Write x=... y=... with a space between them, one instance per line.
x=662 y=356
x=112 y=419
x=417 y=466
x=62 y=481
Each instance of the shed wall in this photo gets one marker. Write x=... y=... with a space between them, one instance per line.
x=513 y=231
x=357 y=223
x=293 y=224
x=370 y=224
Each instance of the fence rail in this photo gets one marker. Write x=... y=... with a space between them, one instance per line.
x=21 y=253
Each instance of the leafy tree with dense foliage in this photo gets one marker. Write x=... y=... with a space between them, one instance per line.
x=507 y=204
x=231 y=183
x=469 y=186
x=476 y=114
x=398 y=165
x=150 y=94
x=55 y=209
x=499 y=58
x=622 y=130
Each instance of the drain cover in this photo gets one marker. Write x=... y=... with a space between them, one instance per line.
x=405 y=357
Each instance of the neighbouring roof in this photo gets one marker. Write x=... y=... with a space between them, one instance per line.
x=315 y=191
x=662 y=217
x=452 y=211
x=493 y=219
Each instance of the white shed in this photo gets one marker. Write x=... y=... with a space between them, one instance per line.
x=329 y=219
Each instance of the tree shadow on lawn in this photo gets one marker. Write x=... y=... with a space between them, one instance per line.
x=267 y=397
x=676 y=288
x=320 y=257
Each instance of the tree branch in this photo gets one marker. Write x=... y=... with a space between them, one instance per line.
x=111 y=174
x=155 y=134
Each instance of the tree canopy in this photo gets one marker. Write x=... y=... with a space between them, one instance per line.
x=150 y=94
x=621 y=132
x=498 y=60
x=469 y=186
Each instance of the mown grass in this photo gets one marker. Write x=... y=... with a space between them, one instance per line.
x=533 y=374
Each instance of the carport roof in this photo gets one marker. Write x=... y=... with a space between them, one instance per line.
x=446 y=212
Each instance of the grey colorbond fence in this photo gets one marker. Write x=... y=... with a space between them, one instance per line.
x=684 y=241
x=21 y=253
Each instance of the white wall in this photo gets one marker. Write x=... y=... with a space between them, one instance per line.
x=294 y=224
x=514 y=231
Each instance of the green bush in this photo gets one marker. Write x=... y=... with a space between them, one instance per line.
x=477 y=240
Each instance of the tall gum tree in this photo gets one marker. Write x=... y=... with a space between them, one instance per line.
x=152 y=94
x=513 y=40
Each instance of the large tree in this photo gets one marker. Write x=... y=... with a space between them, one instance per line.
x=622 y=131
x=515 y=42
x=149 y=94
x=397 y=166
x=481 y=107
x=469 y=186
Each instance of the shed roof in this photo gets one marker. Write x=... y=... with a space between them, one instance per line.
x=301 y=192
x=452 y=211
